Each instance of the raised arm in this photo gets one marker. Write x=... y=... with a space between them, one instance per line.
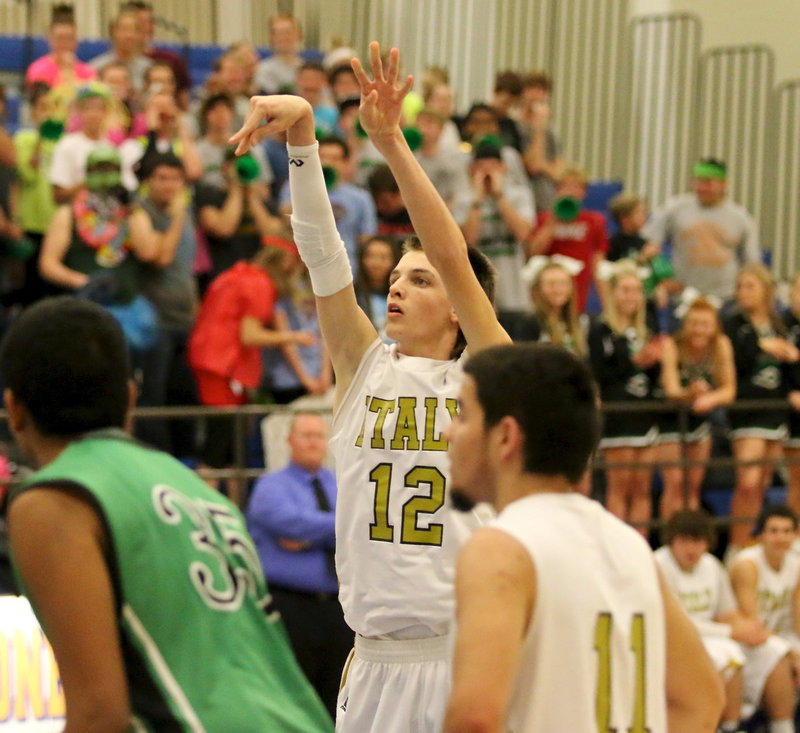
x=346 y=329
x=151 y=245
x=442 y=240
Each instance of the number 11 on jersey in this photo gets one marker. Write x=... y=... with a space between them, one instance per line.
x=602 y=645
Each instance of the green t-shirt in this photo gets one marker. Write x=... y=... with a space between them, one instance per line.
x=202 y=649
x=35 y=204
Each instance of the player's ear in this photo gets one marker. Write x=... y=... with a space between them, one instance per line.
x=510 y=438
x=453 y=316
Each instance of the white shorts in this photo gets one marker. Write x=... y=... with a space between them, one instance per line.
x=725 y=653
x=395 y=686
x=758 y=665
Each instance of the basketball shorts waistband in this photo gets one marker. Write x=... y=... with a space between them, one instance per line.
x=430 y=649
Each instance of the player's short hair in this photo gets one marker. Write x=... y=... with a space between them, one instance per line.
x=484 y=271
x=624 y=204
x=773 y=510
x=66 y=360
x=689 y=523
x=552 y=396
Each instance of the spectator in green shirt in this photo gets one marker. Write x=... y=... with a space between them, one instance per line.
x=35 y=204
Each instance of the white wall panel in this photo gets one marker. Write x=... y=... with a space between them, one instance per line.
x=781 y=220
x=663 y=69
x=734 y=111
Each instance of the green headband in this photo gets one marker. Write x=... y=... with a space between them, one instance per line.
x=709 y=170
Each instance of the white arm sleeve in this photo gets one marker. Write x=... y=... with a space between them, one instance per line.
x=313 y=224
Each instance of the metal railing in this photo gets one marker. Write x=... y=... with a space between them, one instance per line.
x=242 y=415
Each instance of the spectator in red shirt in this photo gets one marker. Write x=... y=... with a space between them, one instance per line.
x=229 y=334
x=570 y=230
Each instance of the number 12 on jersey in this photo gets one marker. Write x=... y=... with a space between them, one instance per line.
x=411 y=533
x=602 y=645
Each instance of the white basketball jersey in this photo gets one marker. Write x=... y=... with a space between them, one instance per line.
x=775 y=589
x=704 y=592
x=594 y=654
x=396 y=536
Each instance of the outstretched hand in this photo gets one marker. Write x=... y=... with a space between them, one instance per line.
x=382 y=96
x=272 y=114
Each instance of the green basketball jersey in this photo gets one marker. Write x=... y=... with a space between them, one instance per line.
x=202 y=650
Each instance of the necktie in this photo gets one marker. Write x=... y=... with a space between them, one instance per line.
x=324 y=506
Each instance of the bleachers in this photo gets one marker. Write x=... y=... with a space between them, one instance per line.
x=17 y=52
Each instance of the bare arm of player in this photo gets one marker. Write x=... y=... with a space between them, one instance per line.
x=495 y=595
x=57 y=540
x=346 y=329
x=744 y=580
x=442 y=240
x=695 y=695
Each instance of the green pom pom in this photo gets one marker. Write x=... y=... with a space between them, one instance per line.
x=489 y=140
x=247 y=168
x=413 y=137
x=21 y=249
x=331 y=176
x=51 y=129
x=566 y=208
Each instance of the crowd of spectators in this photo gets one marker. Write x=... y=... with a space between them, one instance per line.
x=123 y=189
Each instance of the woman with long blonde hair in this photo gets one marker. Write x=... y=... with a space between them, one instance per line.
x=762 y=356
x=697 y=371
x=555 y=316
x=625 y=354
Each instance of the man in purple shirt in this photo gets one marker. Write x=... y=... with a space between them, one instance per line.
x=291 y=519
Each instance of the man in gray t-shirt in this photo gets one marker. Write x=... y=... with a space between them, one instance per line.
x=496 y=214
x=277 y=73
x=711 y=236
x=126 y=48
